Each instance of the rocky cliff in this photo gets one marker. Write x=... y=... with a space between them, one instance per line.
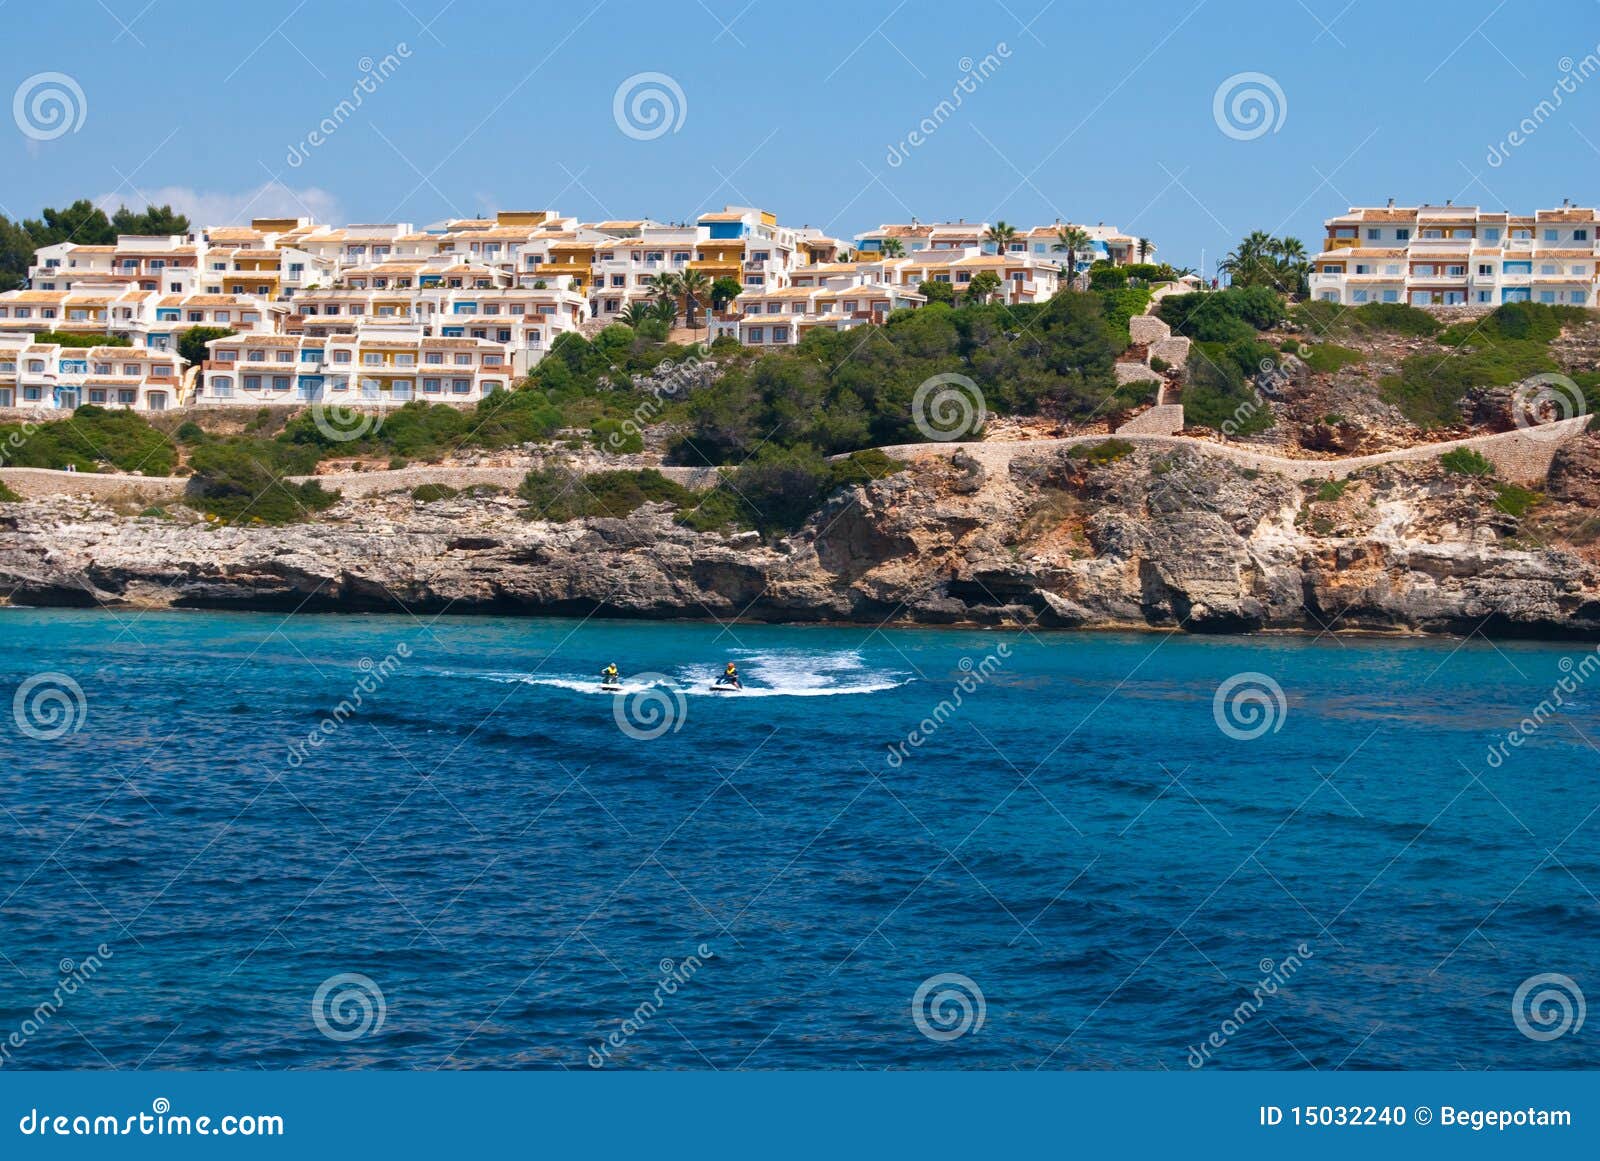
x=1158 y=538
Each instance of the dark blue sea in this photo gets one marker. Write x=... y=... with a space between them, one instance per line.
x=257 y=841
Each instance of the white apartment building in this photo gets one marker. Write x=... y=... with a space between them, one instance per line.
x=49 y=376
x=374 y=367
x=1459 y=256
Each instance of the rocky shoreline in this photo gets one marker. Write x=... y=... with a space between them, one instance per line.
x=1157 y=539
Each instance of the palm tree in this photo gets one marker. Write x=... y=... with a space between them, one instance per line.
x=635 y=314
x=1072 y=239
x=665 y=311
x=1144 y=249
x=1001 y=234
x=663 y=285
x=695 y=287
x=892 y=248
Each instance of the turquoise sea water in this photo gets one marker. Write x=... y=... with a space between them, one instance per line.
x=894 y=849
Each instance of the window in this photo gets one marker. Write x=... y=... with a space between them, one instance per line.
x=756 y=335
x=283 y=356
x=280 y=382
x=97 y=395
x=433 y=357
x=461 y=386
x=1580 y=269
x=311 y=355
x=226 y=356
x=1580 y=297
x=405 y=359
x=1391 y=296
x=1358 y=296
x=1551 y=235
x=503 y=336
x=493 y=360
x=31 y=394
x=256 y=356
x=780 y=334
x=103 y=369
x=1580 y=235
x=430 y=386
x=341 y=356
x=1485 y=268
x=1456 y=271
x=463 y=360
x=1402 y=234
x=1547 y=296
x=252 y=382
x=1374 y=234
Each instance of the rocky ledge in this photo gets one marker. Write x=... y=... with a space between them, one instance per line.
x=1158 y=538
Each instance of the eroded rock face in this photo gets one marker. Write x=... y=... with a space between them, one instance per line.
x=1174 y=538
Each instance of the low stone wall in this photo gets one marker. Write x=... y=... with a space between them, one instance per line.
x=1163 y=419
x=1521 y=456
x=1134 y=373
x=36 y=483
x=1174 y=350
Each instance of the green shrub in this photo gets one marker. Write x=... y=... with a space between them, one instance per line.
x=428 y=493
x=189 y=432
x=242 y=480
x=7 y=496
x=1326 y=358
x=1106 y=452
x=560 y=494
x=1398 y=318
x=1122 y=303
x=1430 y=385
x=1223 y=316
x=1514 y=499
x=1218 y=395
x=92 y=440
x=77 y=341
x=1159 y=365
x=1514 y=322
x=612 y=435
x=1330 y=490
x=1464 y=461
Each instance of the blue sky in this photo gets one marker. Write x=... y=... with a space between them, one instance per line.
x=1101 y=112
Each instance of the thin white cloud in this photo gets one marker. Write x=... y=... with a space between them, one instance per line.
x=273 y=199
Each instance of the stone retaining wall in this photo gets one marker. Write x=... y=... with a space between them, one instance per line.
x=36 y=483
x=1163 y=419
x=1521 y=456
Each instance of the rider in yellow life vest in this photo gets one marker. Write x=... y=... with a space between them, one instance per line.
x=608 y=675
x=730 y=676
